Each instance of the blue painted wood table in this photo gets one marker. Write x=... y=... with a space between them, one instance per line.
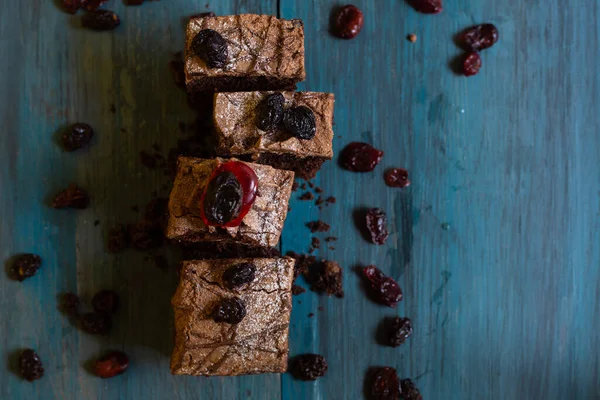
x=496 y=244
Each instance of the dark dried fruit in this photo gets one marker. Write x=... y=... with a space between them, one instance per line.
x=231 y=311
x=223 y=198
x=398 y=330
x=325 y=277
x=106 y=302
x=385 y=385
x=211 y=47
x=472 y=64
x=117 y=239
x=238 y=275
x=72 y=197
x=377 y=225
x=409 y=390
x=146 y=235
x=479 y=37
x=308 y=367
x=360 y=157
x=270 y=112
x=30 y=365
x=72 y=6
x=229 y=195
x=348 y=22
x=25 y=266
x=93 y=5
x=78 y=136
x=397 y=177
x=384 y=289
x=70 y=304
x=427 y=6
x=112 y=364
x=300 y=122
x=101 y=20
x=135 y=2
x=96 y=324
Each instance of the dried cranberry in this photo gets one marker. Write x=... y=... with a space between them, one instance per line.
x=427 y=6
x=72 y=6
x=112 y=364
x=70 y=304
x=72 y=197
x=106 y=302
x=238 y=275
x=96 y=324
x=300 y=122
x=229 y=195
x=117 y=239
x=377 y=225
x=398 y=330
x=472 y=64
x=409 y=390
x=101 y=20
x=25 y=266
x=211 y=47
x=270 y=112
x=348 y=22
x=385 y=385
x=30 y=365
x=397 y=177
x=231 y=311
x=308 y=367
x=78 y=136
x=360 y=157
x=479 y=37
x=384 y=289
x=93 y=5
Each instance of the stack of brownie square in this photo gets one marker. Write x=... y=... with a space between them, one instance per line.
x=233 y=304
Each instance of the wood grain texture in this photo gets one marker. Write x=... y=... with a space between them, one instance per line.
x=496 y=243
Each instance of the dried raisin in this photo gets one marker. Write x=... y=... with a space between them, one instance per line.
x=238 y=275
x=30 y=365
x=25 y=266
x=270 y=112
x=231 y=311
x=427 y=6
x=479 y=37
x=348 y=22
x=77 y=136
x=384 y=289
x=111 y=364
x=398 y=330
x=376 y=220
x=397 y=177
x=96 y=324
x=300 y=122
x=72 y=197
x=211 y=47
x=101 y=20
x=472 y=64
x=385 y=384
x=308 y=367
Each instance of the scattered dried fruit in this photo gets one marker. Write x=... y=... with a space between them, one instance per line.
x=231 y=311
x=72 y=197
x=211 y=47
x=398 y=330
x=70 y=304
x=25 y=266
x=72 y=6
x=308 y=367
x=360 y=157
x=376 y=220
x=270 y=112
x=397 y=177
x=348 y=22
x=101 y=20
x=479 y=37
x=300 y=122
x=238 y=275
x=384 y=289
x=385 y=384
x=427 y=6
x=112 y=364
x=96 y=324
x=77 y=136
x=93 y=5
x=409 y=390
x=106 y=302
x=30 y=365
x=472 y=64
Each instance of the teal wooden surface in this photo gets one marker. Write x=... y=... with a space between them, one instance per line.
x=496 y=243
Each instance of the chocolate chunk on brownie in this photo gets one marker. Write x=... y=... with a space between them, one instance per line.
x=232 y=316
x=210 y=202
x=247 y=125
x=244 y=52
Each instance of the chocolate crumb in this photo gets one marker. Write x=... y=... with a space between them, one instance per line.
x=311 y=185
x=307 y=196
x=331 y=248
x=331 y=239
x=303 y=186
x=296 y=290
x=331 y=200
x=318 y=190
x=319 y=201
x=315 y=243
x=318 y=226
x=412 y=38
x=326 y=277
x=310 y=315
x=295 y=186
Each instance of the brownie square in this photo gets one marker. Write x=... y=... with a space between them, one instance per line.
x=257 y=344
x=264 y=53
x=235 y=120
x=261 y=227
